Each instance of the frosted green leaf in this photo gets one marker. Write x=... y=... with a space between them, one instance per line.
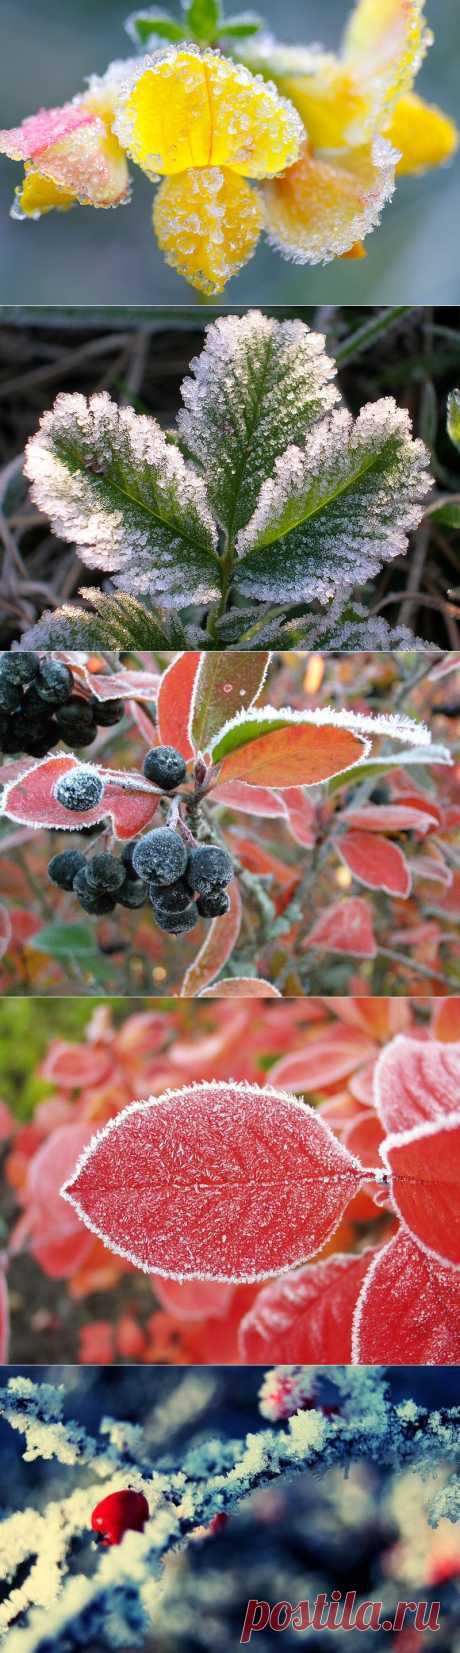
x=116 y=622
x=453 y=417
x=336 y=510
x=114 y=487
x=258 y=385
x=242 y=24
x=142 y=26
x=202 y=18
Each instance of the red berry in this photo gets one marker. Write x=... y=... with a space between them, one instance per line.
x=219 y=1522
x=120 y=1512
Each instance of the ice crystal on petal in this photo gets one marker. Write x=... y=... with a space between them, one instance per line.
x=335 y=511
x=324 y=204
x=257 y=386
x=111 y=483
x=207 y=224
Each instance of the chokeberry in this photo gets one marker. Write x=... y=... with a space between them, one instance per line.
x=127 y=857
x=104 y=872
x=133 y=892
x=174 y=898
x=54 y=681
x=20 y=668
x=215 y=904
x=10 y=694
x=165 y=766
x=209 y=865
x=79 y=790
x=62 y=869
x=160 y=855
x=177 y=923
x=75 y=714
x=107 y=712
x=93 y=901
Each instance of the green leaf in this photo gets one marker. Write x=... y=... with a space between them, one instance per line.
x=242 y=25
x=332 y=514
x=453 y=417
x=448 y=515
x=62 y=939
x=116 y=622
x=143 y=24
x=225 y=684
x=373 y=767
x=258 y=386
x=202 y=18
x=111 y=484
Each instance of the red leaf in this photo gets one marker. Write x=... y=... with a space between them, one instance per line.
x=408 y=1312
x=4 y=1319
x=425 y=1168
x=31 y=799
x=306 y=1316
x=76 y=1066
x=224 y=685
x=346 y=927
x=301 y=815
x=193 y=1299
x=393 y=817
x=58 y=1240
x=125 y=686
x=216 y=949
x=277 y=749
x=433 y=866
x=376 y=862
x=241 y=987
x=217 y=1181
x=416 y=1081
x=253 y=800
x=325 y=1061
x=174 y=703
x=5 y=931
x=363 y=1136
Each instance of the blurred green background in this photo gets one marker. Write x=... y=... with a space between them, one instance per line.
x=88 y=257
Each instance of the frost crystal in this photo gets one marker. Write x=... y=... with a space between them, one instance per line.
x=257 y=386
x=336 y=510
x=111 y=483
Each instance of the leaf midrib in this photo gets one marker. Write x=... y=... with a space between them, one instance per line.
x=98 y=482
x=273 y=538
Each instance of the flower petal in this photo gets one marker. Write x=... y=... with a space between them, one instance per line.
x=186 y=108
x=331 y=100
x=385 y=43
x=324 y=204
x=208 y=224
x=40 y=132
x=38 y=194
x=422 y=134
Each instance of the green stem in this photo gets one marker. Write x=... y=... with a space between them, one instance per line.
x=369 y=332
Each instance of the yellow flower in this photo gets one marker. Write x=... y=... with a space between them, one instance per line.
x=71 y=155
x=363 y=123
x=206 y=124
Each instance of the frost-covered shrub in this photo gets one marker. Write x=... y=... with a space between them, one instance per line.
x=57 y=1595
x=266 y=510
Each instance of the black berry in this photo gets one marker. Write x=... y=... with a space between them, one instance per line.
x=20 y=668
x=54 y=681
x=104 y=872
x=10 y=694
x=127 y=857
x=107 y=712
x=215 y=904
x=92 y=901
x=79 y=790
x=177 y=923
x=133 y=893
x=160 y=855
x=63 y=868
x=209 y=865
x=165 y=767
x=76 y=712
x=174 y=899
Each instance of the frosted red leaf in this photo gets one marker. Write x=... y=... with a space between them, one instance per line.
x=398 y=817
x=252 y=800
x=193 y=1299
x=446 y=1020
x=416 y=1081
x=225 y=683
x=376 y=862
x=77 y=1065
x=4 y=1318
x=31 y=799
x=59 y=1241
x=425 y=1169
x=125 y=685
x=363 y=1137
x=324 y=1061
x=240 y=987
x=305 y=1316
x=217 y=1181
x=301 y=815
x=345 y=927
x=433 y=866
x=408 y=1311
x=174 y=702
x=216 y=949
x=297 y=754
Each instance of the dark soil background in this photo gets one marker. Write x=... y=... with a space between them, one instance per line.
x=141 y=357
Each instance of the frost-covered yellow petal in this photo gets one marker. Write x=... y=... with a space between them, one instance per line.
x=324 y=205
x=208 y=224
x=186 y=108
x=37 y=195
x=423 y=135
x=332 y=104
x=385 y=42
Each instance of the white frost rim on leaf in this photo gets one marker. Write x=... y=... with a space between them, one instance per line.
x=405 y=1042
x=128 y=783
x=173 y=1096
x=231 y=667
x=360 y=723
x=403 y=1139
x=398 y=895
x=381 y=1252
x=341 y=1260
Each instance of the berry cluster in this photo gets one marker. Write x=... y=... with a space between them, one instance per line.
x=38 y=706
x=181 y=884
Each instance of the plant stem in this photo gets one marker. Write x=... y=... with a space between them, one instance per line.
x=366 y=335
